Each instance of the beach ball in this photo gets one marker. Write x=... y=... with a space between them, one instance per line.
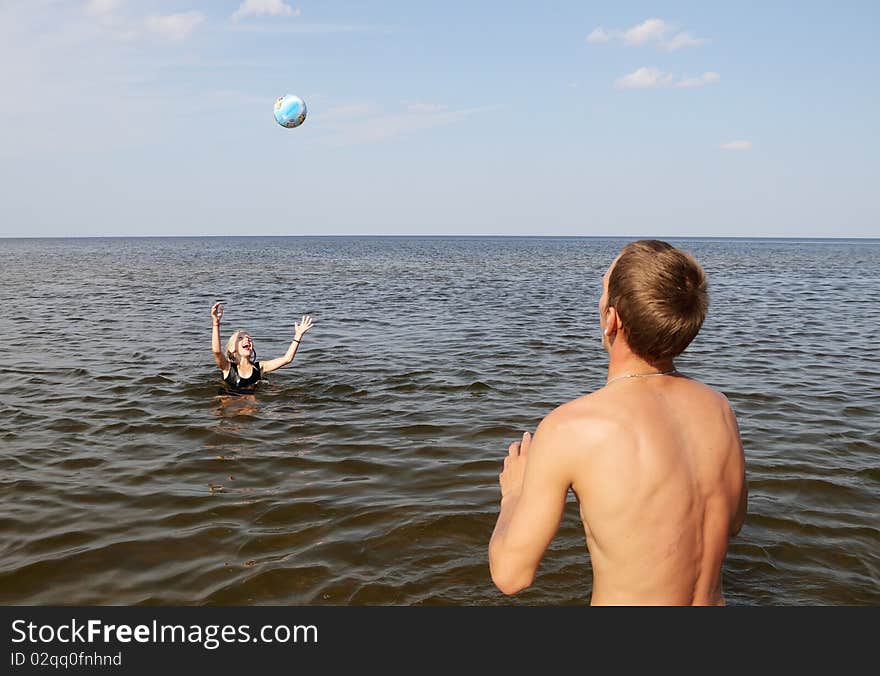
x=290 y=111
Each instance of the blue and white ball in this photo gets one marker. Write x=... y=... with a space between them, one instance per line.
x=290 y=111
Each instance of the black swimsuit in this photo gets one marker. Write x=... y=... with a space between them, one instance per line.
x=236 y=382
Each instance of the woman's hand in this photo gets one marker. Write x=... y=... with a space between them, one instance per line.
x=217 y=312
x=304 y=325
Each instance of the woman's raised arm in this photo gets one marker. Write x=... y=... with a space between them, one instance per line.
x=219 y=357
x=298 y=331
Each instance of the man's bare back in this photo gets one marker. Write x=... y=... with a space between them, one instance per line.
x=658 y=533
x=654 y=457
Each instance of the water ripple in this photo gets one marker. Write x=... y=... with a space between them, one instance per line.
x=366 y=472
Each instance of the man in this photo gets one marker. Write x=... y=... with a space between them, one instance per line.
x=654 y=458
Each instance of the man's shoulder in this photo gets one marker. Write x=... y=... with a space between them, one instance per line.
x=598 y=406
x=586 y=406
x=709 y=394
x=586 y=419
x=608 y=412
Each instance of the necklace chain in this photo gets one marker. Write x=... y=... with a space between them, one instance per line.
x=640 y=375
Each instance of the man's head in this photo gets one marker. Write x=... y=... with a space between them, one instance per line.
x=655 y=295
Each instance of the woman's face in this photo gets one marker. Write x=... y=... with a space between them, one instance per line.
x=244 y=346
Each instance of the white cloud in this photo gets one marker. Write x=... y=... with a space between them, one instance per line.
x=651 y=31
x=737 y=145
x=174 y=26
x=598 y=36
x=709 y=77
x=111 y=22
x=420 y=107
x=644 y=78
x=264 y=8
x=654 y=78
x=679 y=40
x=101 y=7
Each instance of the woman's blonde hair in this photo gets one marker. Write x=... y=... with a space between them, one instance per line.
x=230 y=347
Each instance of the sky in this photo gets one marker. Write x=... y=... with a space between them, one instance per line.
x=661 y=119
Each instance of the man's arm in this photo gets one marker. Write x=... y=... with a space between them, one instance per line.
x=743 y=503
x=743 y=508
x=534 y=485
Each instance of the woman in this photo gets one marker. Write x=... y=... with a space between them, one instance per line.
x=241 y=370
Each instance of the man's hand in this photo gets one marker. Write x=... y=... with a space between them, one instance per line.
x=511 y=478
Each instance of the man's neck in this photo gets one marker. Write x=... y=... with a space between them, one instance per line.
x=627 y=363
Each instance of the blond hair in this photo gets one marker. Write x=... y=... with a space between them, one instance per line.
x=660 y=294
